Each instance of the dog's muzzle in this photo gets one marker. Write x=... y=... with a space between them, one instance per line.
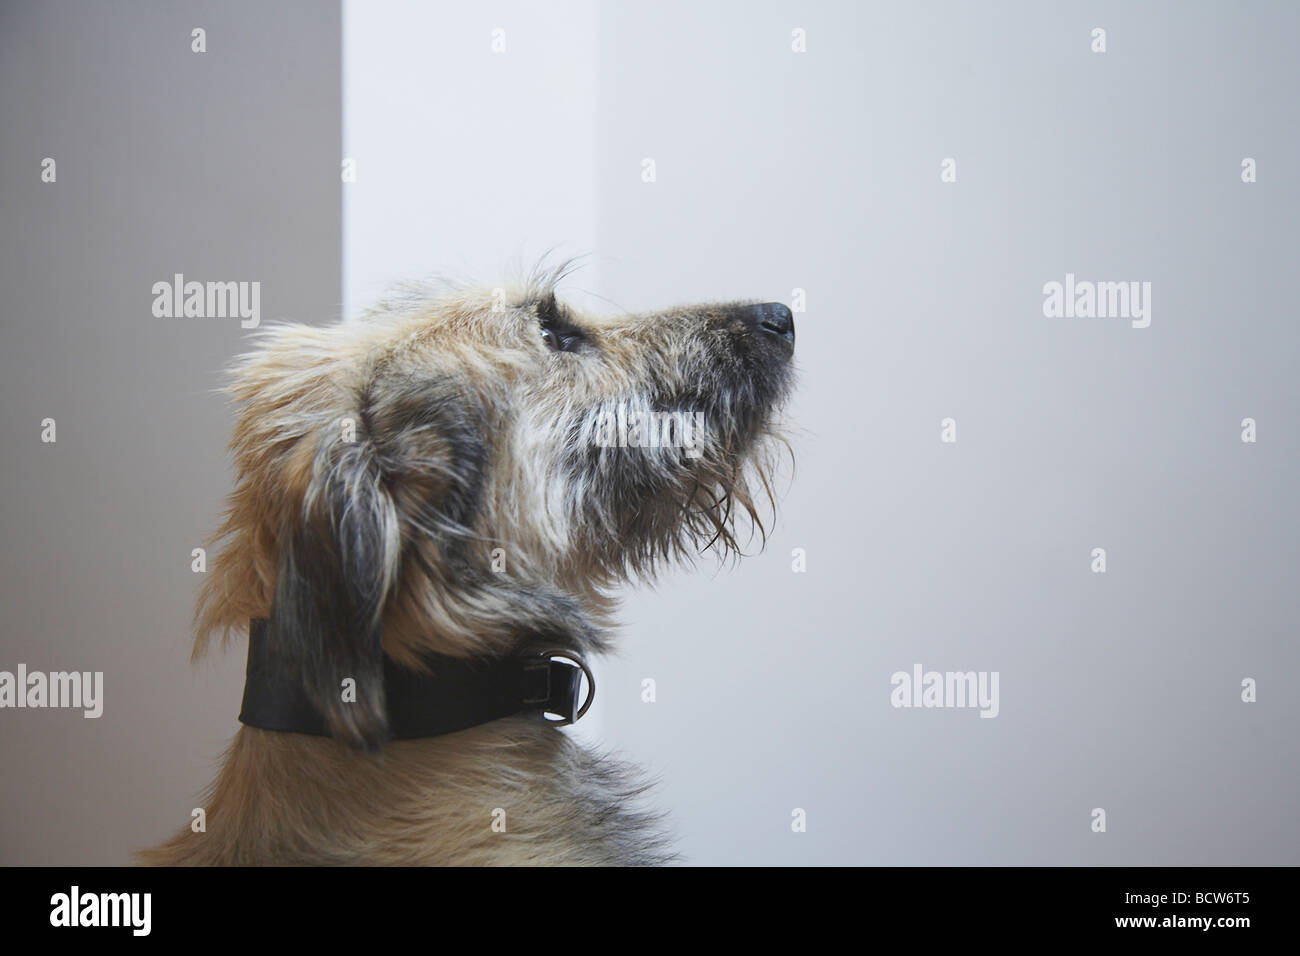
x=771 y=318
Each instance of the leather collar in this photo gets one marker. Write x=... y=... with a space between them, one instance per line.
x=454 y=694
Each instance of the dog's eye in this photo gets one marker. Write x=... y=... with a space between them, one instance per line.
x=558 y=340
x=557 y=332
x=553 y=340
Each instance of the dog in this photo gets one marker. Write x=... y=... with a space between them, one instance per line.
x=465 y=475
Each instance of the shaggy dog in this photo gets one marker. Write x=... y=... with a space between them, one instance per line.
x=466 y=475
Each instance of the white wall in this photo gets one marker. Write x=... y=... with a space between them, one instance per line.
x=469 y=162
x=821 y=170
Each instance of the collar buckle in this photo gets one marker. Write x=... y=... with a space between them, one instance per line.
x=563 y=685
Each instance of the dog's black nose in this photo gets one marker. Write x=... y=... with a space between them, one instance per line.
x=773 y=318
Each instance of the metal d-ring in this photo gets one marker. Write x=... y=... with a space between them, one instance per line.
x=591 y=685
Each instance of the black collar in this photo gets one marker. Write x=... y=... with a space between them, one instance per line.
x=455 y=694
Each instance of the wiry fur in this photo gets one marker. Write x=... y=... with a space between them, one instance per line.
x=380 y=464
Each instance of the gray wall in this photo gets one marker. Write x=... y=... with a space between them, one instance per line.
x=221 y=166
x=776 y=171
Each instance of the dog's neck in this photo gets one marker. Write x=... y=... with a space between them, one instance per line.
x=517 y=790
x=445 y=695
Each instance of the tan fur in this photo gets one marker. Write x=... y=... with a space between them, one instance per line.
x=289 y=799
x=292 y=798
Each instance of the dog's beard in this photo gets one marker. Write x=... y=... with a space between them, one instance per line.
x=730 y=496
x=644 y=510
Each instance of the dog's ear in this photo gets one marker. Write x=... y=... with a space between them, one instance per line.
x=338 y=558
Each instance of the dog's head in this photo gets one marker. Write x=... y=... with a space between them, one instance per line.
x=469 y=472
